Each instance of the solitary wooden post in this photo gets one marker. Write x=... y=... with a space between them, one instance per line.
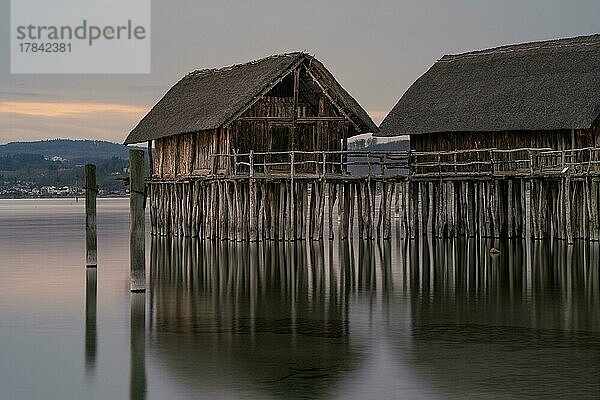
x=91 y=238
x=137 y=256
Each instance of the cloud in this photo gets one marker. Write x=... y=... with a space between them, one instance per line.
x=61 y=110
x=39 y=120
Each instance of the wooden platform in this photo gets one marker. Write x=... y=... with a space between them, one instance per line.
x=534 y=193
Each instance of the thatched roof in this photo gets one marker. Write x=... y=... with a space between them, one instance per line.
x=210 y=98
x=535 y=86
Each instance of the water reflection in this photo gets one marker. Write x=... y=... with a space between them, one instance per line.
x=299 y=320
x=539 y=284
x=91 y=338
x=137 y=385
x=251 y=288
x=524 y=323
x=272 y=315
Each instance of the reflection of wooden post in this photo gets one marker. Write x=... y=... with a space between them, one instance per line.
x=137 y=324
x=91 y=240
x=137 y=257
x=91 y=338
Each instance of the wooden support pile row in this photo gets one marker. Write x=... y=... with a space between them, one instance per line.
x=537 y=208
x=274 y=209
x=452 y=208
x=296 y=209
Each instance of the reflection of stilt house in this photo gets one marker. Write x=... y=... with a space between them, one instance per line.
x=280 y=306
x=276 y=104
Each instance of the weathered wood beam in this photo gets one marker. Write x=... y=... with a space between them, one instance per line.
x=295 y=106
x=332 y=100
x=264 y=92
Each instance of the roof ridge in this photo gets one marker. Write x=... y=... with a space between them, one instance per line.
x=205 y=71
x=528 y=46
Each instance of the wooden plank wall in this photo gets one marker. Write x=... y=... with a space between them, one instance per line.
x=190 y=154
x=187 y=154
x=556 y=140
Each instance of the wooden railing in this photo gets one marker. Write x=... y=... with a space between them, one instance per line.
x=294 y=163
x=477 y=162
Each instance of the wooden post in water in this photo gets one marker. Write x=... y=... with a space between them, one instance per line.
x=137 y=229
x=91 y=238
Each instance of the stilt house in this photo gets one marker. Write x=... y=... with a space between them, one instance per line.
x=275 y=104
x=533 y=95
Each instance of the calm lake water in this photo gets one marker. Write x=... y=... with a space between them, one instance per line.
x=362 y=320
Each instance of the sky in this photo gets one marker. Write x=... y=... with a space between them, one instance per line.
x=375 y=49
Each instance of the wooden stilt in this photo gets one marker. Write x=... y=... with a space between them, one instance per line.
x=382 y=206
x=510 y=209
x=420 y=209
x=494 y=189
x=595 y=228
x=137 y=190
x=387 y=215
x=274 y=200
x=312 y=211
x=352 y=189
x=260 y=202
x=451 y=209
x=253 y=217
x=567 y=207
x=470 y=209
x=411 y=193
x=360 y=210
x=282 y=211
x=231 y=211
x=304 y=212
x=372 y=208
x=332 y=199
x=320 y=211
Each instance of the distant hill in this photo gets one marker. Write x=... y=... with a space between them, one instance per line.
x=73 y=150
x=27 y=167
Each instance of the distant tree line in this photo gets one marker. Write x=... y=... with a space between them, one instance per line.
x=372 y=144
x=90 y=150
x=40 y=171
